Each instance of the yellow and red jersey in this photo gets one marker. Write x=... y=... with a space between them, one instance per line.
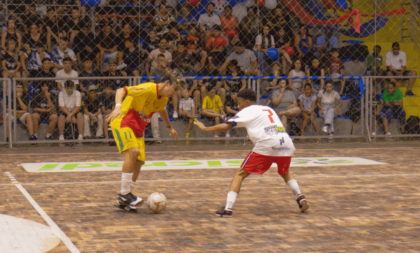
x=138 y=107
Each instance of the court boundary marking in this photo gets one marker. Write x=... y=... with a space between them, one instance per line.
x=54 y=227
x=252 y=177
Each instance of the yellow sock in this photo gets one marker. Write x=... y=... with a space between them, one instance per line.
x=187 y=135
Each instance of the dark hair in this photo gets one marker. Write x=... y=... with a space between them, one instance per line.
x=129 y=39
x=315 y=58
x=184 y=43
x=68 y=83
x=228 y=6
x=162 y=39
x=210 y=3
x=160 y=55
x=46 y=59
x=377 y=46
x=67 y=59
x=393 y=84
x=395 y=44
x=334 y=50
x=293 y=65
x=188 y=6
x=248 y=94
x=307 y=84
x=64 y=39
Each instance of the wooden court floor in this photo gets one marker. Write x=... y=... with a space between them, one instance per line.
x=369 y=208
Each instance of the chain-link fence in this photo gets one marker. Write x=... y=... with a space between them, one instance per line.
x=271 y=46
x=3 y=111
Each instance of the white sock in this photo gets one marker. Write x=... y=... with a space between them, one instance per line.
x=231 y=197
x=132 y=185
x=48 y=134
x=126 y=180
x=293 y=185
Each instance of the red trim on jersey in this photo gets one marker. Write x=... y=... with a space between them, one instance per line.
x=133 y=120
x=157 y=91
x=126 y=91
x=259 y=164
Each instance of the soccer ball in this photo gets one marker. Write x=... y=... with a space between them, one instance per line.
x=156 y=202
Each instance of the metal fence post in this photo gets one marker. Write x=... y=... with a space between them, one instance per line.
x=9 y=106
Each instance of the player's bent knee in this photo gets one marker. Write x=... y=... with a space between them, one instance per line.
x=133 y=153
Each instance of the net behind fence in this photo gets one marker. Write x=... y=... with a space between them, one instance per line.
x=235 y=44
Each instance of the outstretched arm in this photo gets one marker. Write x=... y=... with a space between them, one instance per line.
x=117 y=112
x=217 y=128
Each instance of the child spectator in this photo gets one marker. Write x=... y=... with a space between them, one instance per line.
x=31 y=60
x=205 y=85
x=10 y=61
x=284 y=103
x=46 y=72
x=212 y=108
x=88 y=71
x=69 y=101
x=67 y=72
x=187 y=110
x=20 y=111
x=92 y=113
x=263 y=42
x=393 y=107
x=326 y=102
x=296 y=85
x=44 y=109
x=335 y=68
x=307 y=102
x=316 y=70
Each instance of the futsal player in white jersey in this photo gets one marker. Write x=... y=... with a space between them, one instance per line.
x=272 y=145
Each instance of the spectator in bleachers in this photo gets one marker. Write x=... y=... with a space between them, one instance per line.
x=151 y=42
x=31 y=60
x=195 y=47
x=106 y=41
x=246 y=60
x=11 y=33
x=263 y=42
x=233 y=85
x=393 y=107
x=22 y=103
x=73 y=24
x=209 y=19
x=152 y=59
x=62 y=51
x=163 y=18
x=271 y=84
x=67 y=72
x=44 y=109
x=325 y=43
x=212 y=108
x=307 y=102
x=185 y=19
x=229 y=22
x=231 y=107
x=10 y=61
x=84 y=45
x=52 y=24
x=396 y=63
x=296 y=85
x=327 y=104
x=179 y=55
x=34 y=37
x=113 y=72
x=131 y=57
x=69 y=101
x=107 y=100
x=92 y=113
x=249 y=27
x=303 y=45
x=284 y=103
x=127 y=33
x=214 y=34
x=316 y=70
x=277 y=18
x=30 y=17
x=89 y=71
x=281 y=42
x=375 y=61
x=335 y=68
x=46 y=72
x=173 y=36
x=187 y=110
x=187 y=69
x=205 y=85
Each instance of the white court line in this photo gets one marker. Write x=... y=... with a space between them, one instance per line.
x=225 y=178
x=54 y=228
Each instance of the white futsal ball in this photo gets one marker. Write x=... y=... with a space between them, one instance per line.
x=156 y=202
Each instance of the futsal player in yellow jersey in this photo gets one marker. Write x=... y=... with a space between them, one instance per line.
x=129 y=119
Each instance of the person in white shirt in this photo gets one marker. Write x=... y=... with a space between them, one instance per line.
x=272 y=145
x=62 y=51
x=396 y=64
x=187 y=110
x=209 y=19
x=69 y=101
x=66 y=72
x=327 y=103
x=151 y=62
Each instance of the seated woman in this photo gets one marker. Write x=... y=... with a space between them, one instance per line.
x=284 y=103
x=229 y=22
x=326 y=101
x=281 y=42
x=212 y=108
x=296 y=85
x=393 y=107
x=33 y=37
x=303 y=45
x=233 y=85
x=307 y=106
x=263 y=42
x=316 y=70
x=270 y=84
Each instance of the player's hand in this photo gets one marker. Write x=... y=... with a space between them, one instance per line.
x=173 y=133
x=200 y=125
x=117 y=112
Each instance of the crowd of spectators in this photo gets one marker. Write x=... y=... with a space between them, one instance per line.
x=66 y=41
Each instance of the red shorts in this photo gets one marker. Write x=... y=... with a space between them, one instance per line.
x=259 y=164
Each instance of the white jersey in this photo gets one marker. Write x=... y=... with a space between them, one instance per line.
x=265 y=130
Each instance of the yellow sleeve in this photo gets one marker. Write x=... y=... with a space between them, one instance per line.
x=141 y=90
x=206 y=98
x=219 y=102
